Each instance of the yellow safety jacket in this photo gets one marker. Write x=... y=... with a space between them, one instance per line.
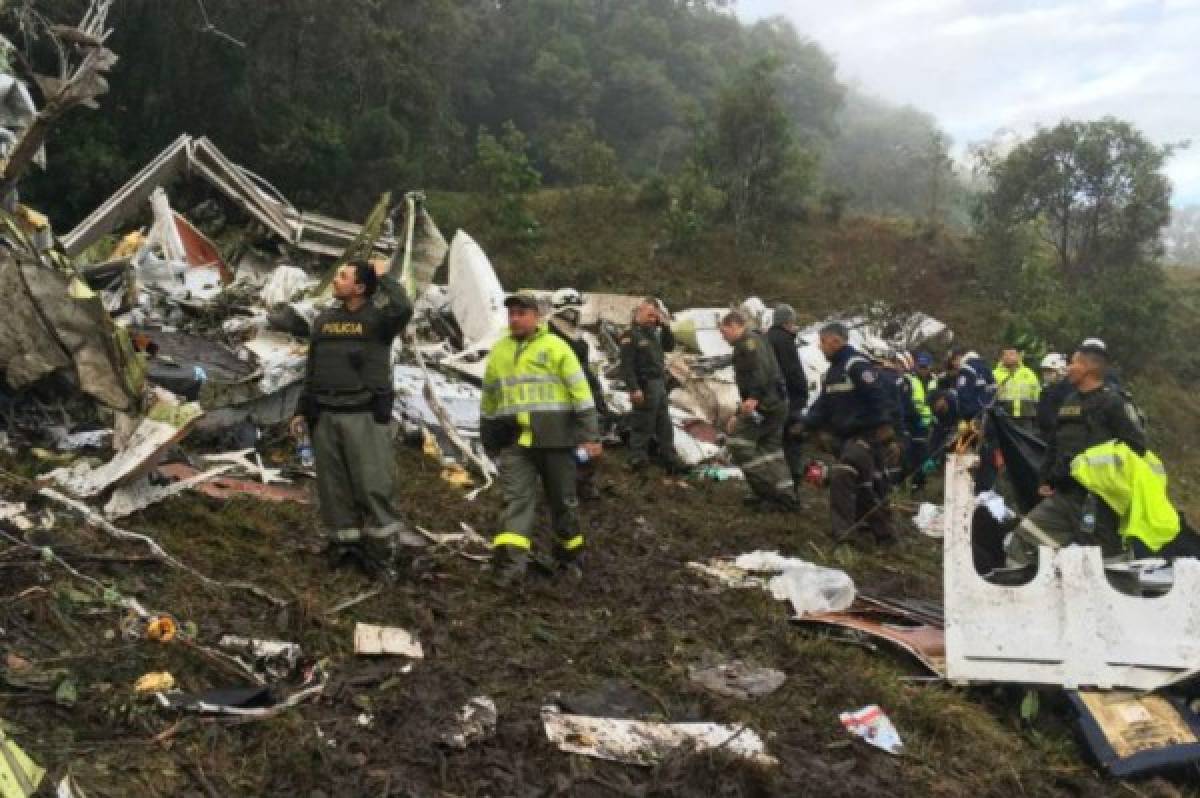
x=1134 y=487
x=919 y=402
x=539 y=383
x=1017 y=391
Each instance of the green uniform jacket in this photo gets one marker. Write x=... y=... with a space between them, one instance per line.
x=643 y=354
x=756 y=371
x=350 y=353
x=537 y=386
x=1085 y=420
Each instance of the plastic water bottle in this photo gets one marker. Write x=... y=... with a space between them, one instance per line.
x=304 y=449
x=1087 y=522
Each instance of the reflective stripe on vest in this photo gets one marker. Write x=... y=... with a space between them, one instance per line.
x=918 y=398
x=1134 y=487
x=1020 y=387
x=536 y=376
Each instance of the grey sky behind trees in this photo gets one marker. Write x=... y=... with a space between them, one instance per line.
x=983 y=66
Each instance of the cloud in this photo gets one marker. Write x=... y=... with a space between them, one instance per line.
x=984 y=65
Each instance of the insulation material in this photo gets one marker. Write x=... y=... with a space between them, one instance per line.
x=635 y=742
x=809 y=588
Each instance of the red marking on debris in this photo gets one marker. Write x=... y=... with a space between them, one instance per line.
x=228 y=488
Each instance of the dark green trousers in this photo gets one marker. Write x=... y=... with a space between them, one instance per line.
x=755 y=447
x=524 y=472
x=652 y=419
x=356 y=477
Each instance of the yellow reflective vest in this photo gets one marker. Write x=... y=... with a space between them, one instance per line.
x=539 y=383
x=919 y=402
x=1017 y=391
x=1134 y=487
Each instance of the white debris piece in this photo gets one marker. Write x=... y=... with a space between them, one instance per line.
x=286 y=284
x=635 y=742
x=65 y=441
x=476 y=296
x=995 y=505
x=460 y=399
x=140 y=454
x=375 y=640
x=873 y=726
x=129 y=499
x=475 y=721
x=1068 y=626
x=699 y=330
x=275 y=656
x=929 y=520
x=809 y=587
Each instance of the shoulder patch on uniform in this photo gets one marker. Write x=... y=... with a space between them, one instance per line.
x=868 y=376
x=1132 y=414
x=751 y=345
x=643 y=342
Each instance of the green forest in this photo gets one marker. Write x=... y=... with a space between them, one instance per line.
x=723 y=140
x=337 y=102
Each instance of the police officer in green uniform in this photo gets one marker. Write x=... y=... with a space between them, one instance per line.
x=1093 y=413
x=755 y=433
x=347 y=404
x=643 y=368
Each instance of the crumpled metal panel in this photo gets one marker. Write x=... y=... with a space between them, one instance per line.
x=1068 y=626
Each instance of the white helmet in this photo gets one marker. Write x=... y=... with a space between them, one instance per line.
x=565 y=298
x=1054 y=362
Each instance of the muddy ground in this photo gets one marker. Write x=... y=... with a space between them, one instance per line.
x=638 y=619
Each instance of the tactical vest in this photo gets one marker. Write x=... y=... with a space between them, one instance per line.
x=352 y=355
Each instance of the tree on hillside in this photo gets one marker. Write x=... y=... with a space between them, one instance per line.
x=1095 y=191
x=755 y=157
x=1070 y=233
x=503 y=176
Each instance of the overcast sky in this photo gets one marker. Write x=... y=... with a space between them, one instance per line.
x=983 y=65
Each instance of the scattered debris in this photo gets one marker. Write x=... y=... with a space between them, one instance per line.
x=1132 y=734
x=809 y=587
x=929 y=520
x=873 y=726
x=375 y=640
x=918 y=631
x=475 y=722
x=156 y=682
x=272 y=657
x=223 y=488
x=1067 y=626
x=737 y=679
x=635 y=742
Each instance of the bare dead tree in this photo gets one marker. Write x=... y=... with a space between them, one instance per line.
x=83 y=61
